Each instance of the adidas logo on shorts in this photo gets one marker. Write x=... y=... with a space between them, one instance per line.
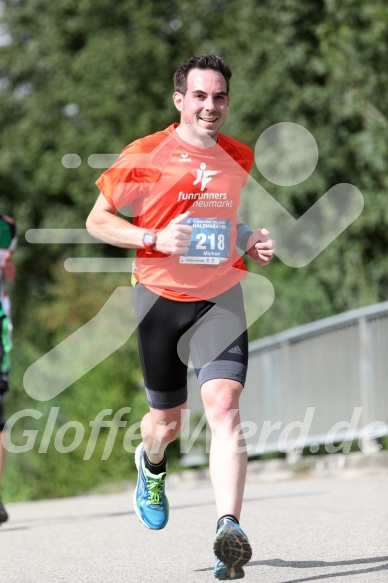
x=236 y=350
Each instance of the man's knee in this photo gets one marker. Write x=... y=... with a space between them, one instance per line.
x=221 y=401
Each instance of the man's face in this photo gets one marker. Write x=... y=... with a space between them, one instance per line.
x=206 y=102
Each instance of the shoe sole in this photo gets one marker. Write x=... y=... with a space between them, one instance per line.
x=232 y=548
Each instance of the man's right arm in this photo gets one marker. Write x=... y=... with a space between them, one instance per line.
x=103 y=223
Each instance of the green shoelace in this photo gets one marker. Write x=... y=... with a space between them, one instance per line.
x=155 y=490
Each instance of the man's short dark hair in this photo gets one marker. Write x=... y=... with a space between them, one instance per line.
x=200 y=62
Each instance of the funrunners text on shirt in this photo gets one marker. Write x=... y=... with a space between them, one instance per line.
x=206 y=199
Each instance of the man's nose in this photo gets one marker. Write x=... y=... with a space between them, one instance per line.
x=209 y=104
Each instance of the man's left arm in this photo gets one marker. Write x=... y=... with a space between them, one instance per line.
x=259 y=246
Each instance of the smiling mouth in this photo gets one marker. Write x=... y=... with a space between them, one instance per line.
x=208 y=119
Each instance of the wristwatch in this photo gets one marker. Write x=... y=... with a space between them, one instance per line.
x=149 y=240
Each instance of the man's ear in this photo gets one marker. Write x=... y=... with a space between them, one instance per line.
x=177 y=98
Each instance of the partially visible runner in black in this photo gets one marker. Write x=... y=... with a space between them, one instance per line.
x=7 y=273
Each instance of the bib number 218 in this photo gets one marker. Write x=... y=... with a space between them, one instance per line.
x=216 y=242
x=210 y=241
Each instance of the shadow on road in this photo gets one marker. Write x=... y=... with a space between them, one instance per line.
x=319 y=564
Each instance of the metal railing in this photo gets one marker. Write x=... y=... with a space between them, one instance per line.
x=323 y=383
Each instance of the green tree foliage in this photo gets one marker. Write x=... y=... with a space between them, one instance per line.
x=89 y=77
x=320 y=64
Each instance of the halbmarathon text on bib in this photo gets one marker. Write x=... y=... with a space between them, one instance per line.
x=210 y=241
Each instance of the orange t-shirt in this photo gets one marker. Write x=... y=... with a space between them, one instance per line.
x=160 y=177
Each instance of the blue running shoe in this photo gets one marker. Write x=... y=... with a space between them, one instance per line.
x=149 y=499
x=232 y=550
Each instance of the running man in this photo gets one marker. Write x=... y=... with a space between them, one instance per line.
x=7 y=273
x=182 y=186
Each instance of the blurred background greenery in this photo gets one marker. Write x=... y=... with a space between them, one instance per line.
x=90 y=76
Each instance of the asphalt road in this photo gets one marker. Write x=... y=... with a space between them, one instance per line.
x=301 y=530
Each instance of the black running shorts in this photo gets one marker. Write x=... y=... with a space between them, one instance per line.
x=213 y=332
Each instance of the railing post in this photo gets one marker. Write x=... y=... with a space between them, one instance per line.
x=365 y=381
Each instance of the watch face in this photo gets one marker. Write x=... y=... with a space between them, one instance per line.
x=148 y=238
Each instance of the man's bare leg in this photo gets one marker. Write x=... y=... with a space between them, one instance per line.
x=158 y=429
x=228 y=466
x=228 y=457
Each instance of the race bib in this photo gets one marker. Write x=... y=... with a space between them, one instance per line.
x=210 y=241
